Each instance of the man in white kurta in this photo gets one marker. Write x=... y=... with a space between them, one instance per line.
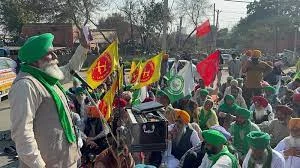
x=289 y=147
x=182 y=138
x=260 y=153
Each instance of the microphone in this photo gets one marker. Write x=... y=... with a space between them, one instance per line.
x=84 y=83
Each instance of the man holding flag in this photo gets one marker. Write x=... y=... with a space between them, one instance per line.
x=41 y=124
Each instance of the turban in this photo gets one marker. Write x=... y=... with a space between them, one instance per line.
x=36 y=47
x=119 y=101
x=296 y=97
x=284 y=109
x=204 y=92
x=183 y=115
x=222 y=130
x=79 y=90
x=270 y=88
x=248 y=53
x=234 y=82
x=229 y=97
x=294 y=123
x=214 y=137
x=260 y=100
x=242 y=112
x=256 y=53
x=258 y=139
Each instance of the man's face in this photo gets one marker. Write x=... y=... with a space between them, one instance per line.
x=179 y=124
x=259 y=155
x=295 y=132
x=229 y=102
x=281 y=116
x=240 y=120
x=268 y=93
x=49 y=64
x=210 y=149
x=234 y=91
x=208 y=105
x=81 y=97
x=258 y=105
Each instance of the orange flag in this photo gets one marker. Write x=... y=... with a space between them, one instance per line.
x=150 y=71
x=103 y=66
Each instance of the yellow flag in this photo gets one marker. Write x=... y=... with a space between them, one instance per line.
x=134 y=72
x=105 y=105
x=103 y=66
x=150 y=71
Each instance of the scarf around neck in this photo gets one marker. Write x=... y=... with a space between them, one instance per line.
x=224 y=151
x=49 y=82
x=203 y=118
x=267 y=163
x=239 y=141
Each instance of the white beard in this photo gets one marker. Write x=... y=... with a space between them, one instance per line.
x=52 y=69
x=293 y=142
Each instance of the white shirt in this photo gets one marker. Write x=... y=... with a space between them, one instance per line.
x=223 y=162
x=277 y=160
x=291 y=161
x=168 y=158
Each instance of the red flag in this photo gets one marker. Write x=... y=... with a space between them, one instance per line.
x=209 y=67
x=203 y=29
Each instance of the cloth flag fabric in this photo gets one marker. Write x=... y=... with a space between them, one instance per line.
x=150 y=71
x=181 y=84
x=203 y=29
x=105 y=104
x=209 y=67
x=103 y=66
x=134 y=73
x=139 y=95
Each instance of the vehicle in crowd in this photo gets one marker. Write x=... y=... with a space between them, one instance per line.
x=7 y=75
x=4 y=52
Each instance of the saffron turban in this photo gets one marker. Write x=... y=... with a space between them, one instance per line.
x=256 y=53
x=183 y=115
x=36 y=47
x=258 y=139
x=294 y=123
x=214 y=137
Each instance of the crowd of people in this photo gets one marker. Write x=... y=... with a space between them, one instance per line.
x=251 y=120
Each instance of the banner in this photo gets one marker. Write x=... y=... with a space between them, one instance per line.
x=103 y=66
x=150 y=71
